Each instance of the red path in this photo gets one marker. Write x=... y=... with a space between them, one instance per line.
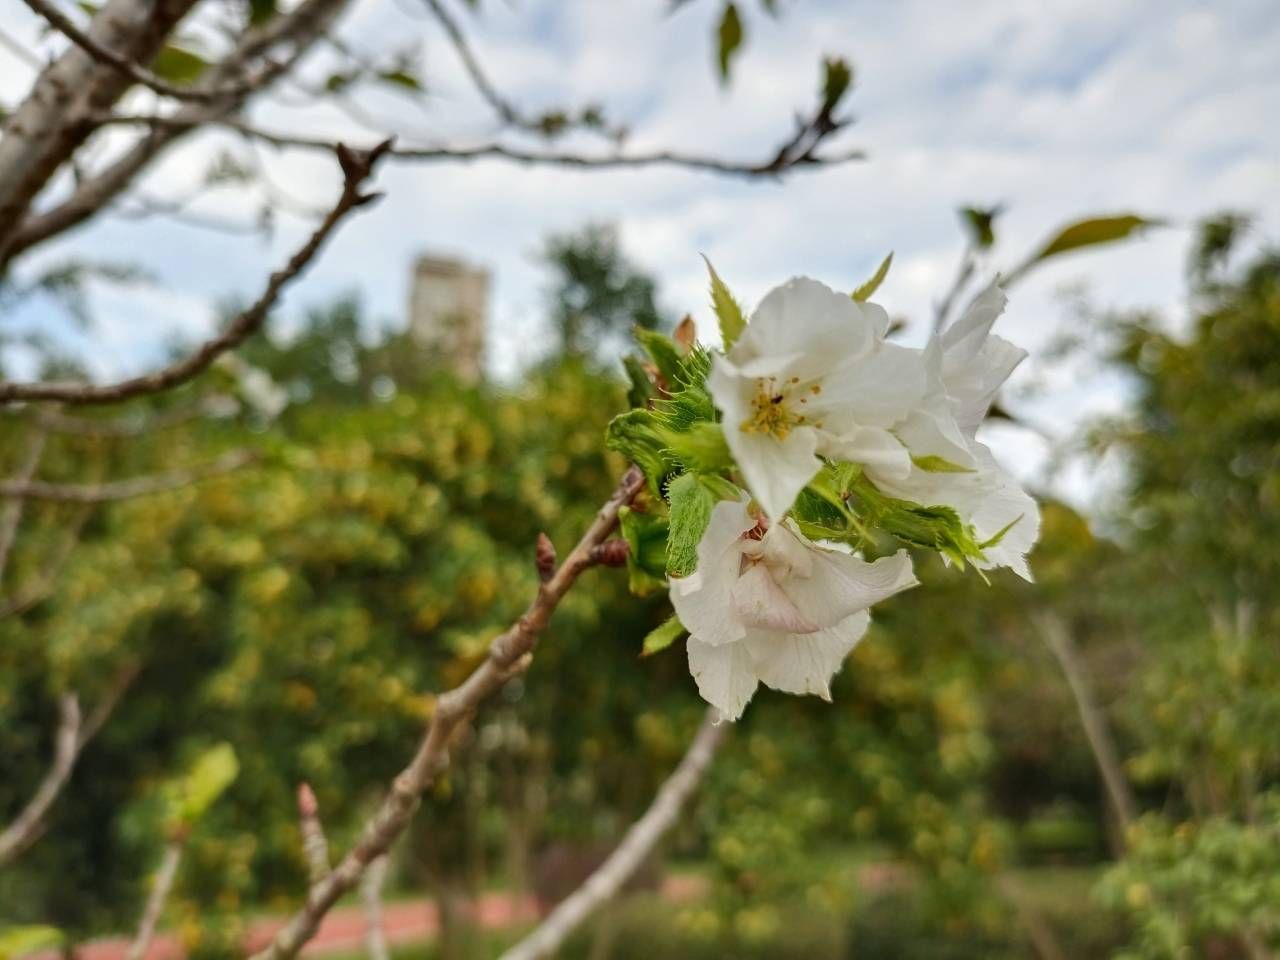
x=343 y=929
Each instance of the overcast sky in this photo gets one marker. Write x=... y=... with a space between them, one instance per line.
x=1162 y=107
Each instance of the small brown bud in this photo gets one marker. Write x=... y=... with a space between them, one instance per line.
x=611 y=553
x=545 y=557
x=686 y=333
x=308 y=807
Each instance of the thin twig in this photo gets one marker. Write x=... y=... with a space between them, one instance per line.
x=27 y=597
x=503 y=106
x=160 y=890
x=139 y=73
x=136 y=424
x=314 y=845
x=1096 y=730
x=356 y=166
x=125 y=489
x=509 y=655
x=783 y=160
x=610 y=877
x=72 y=736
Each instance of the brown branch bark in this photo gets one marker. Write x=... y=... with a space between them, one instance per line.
x=301 y=27
x=781 y=162
x=140 y=74
x=73 y=733
x=161 y=887
x=640 y=840
x=356 y=166
x=125 y=489
x=314 y=845
x=509 y=655
x=375 y=937
x=1097 y=732
x=135 y=425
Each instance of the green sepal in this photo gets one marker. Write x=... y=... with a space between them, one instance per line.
x=691 y=506
x=646 y=537
x=639 y=436
x=641 y=390
x=868 y=289
x=701 y=449
x=664 y=353
x=934 y=464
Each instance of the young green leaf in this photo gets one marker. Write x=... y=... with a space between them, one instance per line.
x=640 y=437
x=178 y=66
x=700 y=449
x=729 y=36
x=1088 y=233
x=728 y=311
x=641 y=390
x=663 y=636
x=935 y=464
x=664 y=353
x=868 y=289
x=646 y=537
x=980 y=223
x=691 y=506
x=213 y=771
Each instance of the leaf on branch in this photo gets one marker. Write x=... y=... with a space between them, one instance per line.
x=868 y=289
x=837 y=78
x=701 y=449
x=178 y=66
x=646 y=537
x=214 y=771
x=728 y=310
x=691 y=506
x=664 y=353
x=980 y=222
x=663 y=636
x=729 y=37
x=1092 y=232
x=401 y=78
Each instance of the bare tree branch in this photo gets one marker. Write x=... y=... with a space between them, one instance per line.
x=126 y=489
x=302 y=27
x=509 y=655
x=1057 y=637
x=11 y=515
x=640 y=840
x=314 y=844
x=942 y=310
x=375 y=936
x=356 y=166
x=793 y=154
x=547 y=125
x=140 y=74
x=54 y=120
x=161 y=887
x=137 y=424
x=70 y=740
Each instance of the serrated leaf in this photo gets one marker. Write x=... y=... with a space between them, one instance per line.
x=1089 y=233
x=729 y=36
x=646 y=537
x=178 y=66
x=935 y=464
x=664 y=353
x=728 y=310
x=691 y=506
x=639 y=436
x=663 y=636
x=21 y=940
x=701 y=449
x=868 y=289
x=641 y=390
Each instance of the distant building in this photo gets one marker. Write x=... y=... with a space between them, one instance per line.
x=448 y=313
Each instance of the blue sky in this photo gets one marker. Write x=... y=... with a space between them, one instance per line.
x=1056 y=110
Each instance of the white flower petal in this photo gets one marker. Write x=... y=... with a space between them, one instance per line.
x=877 y=390
x=704 y=600
x=876 y=449
x=974 y=362
x=806 y=318
x=776 y=470
x=762 y=605
x=726 y=676
x=806 y=663
x=964 y=338
x=842 y=584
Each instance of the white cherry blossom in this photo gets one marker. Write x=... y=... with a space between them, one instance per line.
x=813 y=375
x=766 y=605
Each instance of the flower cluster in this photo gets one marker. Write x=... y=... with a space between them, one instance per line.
x=842 y=440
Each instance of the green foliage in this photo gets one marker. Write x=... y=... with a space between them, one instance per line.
x=691 y=506
x=729 y=37
x=728 y=311
x=663 y=636
x=17 y=942
x=178 y=65
x=1089 y=233
x=979 y=223
x=868 y=289
x=211 y=774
